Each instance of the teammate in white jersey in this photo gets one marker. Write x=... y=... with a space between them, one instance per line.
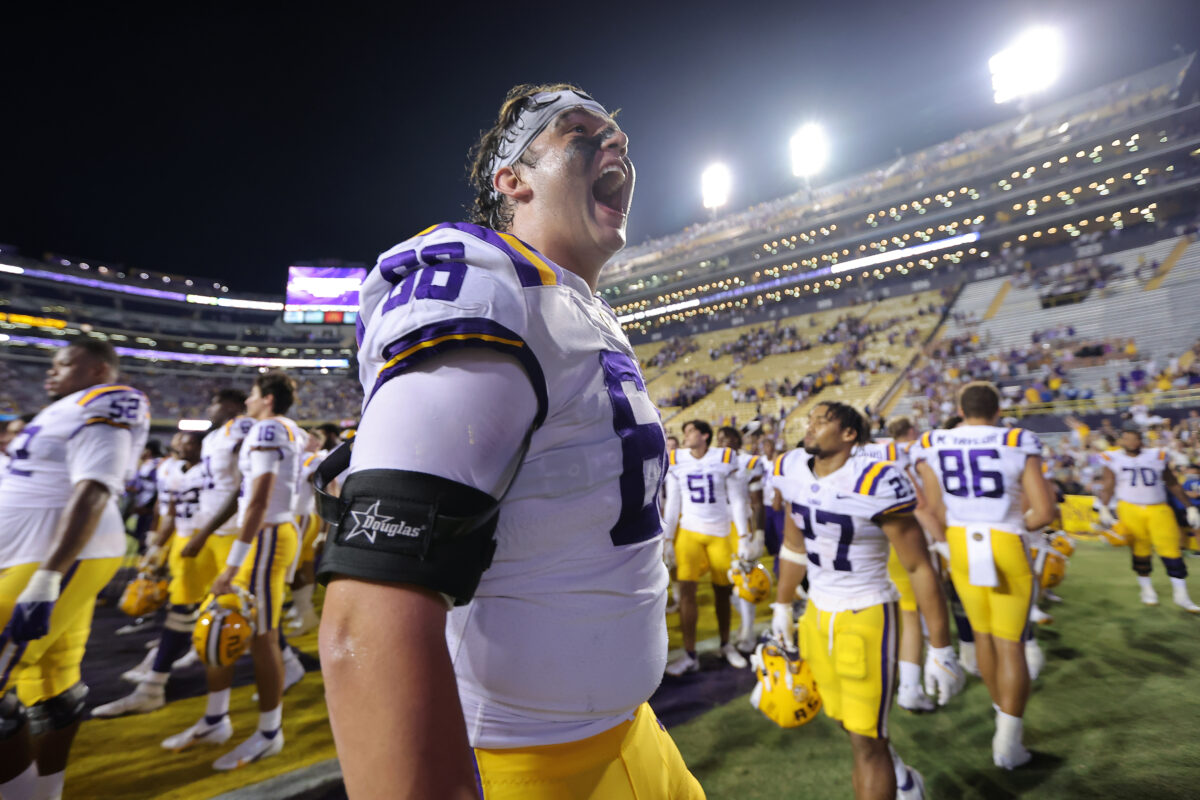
x=705 y=497
x=322 y=441
x=485 y=353
x=258 y=562
x=751 y=468
x=185 y=590
x=910 y=695
x=63 y=541
x=844 y=509
x=1139 y=479
x=8 y=432
x=979 y=478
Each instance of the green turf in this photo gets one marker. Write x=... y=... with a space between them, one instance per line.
x=1115 y=714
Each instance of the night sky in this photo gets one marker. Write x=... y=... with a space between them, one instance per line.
x=232 y=141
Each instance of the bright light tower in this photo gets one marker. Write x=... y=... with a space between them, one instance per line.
x=715 y=183
x=1029 y=65
x=809 y=149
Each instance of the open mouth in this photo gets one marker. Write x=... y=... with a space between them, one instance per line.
x=609 y=188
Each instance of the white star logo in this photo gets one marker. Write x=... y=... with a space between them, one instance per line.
x=368 y=522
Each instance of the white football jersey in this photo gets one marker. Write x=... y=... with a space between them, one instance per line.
x=186 y=496
x=219 y=457
x=167 y=477
x=704 y=487
x=847 y=550
x=306 y=495
x=93 y=434
x=980 y=468
x=566 y=635
x=751 y=469
x=1140 y=477
x=143 y=483
x=283 y=438
x=886 y=450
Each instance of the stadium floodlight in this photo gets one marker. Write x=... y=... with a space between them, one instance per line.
x=715 y=183
x=1029 y=65
x=198 y=425
x=809 y=149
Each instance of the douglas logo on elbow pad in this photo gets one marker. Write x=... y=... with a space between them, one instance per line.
x=371 y=523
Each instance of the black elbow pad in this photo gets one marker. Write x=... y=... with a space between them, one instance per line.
x=398 y=526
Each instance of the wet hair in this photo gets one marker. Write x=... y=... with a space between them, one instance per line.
x=98 y=350
x=232 y=396
x=848 y=418
x=490 y=210
x=952 y=422
x=900 y=426
x=278 y=385
x=979 y=400
x=731 y=434
x=702 y=426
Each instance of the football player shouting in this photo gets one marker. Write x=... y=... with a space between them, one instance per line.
x=494 y=621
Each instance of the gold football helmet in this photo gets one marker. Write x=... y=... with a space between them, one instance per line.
x=751 y=580
x=144 y=595
x=1054 y=570
x=786 y=692
x=224 y=629
x=1063 y=544
x=1116 y=537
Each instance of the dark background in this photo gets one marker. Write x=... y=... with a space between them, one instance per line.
x=229 y=141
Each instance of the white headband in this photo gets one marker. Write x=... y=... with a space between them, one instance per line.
x=540 y=111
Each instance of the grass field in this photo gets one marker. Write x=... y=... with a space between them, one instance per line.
x=1115 y=714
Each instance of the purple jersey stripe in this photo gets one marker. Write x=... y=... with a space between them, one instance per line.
x=527 y=273
x=404 y=353
x=885 y=698
x=274 y=542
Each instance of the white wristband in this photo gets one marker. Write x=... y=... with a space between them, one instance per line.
x=237 y=553
x=788 y=554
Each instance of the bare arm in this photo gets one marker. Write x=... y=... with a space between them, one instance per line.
x=931 y=488
x=1172 y=485
x=406 y=737
x=1108 y=484
x=77 y=524
x=1042 y=507
x=790 y=573
x=906 y=537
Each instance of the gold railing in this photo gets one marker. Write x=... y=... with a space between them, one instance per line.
x=1177 y=398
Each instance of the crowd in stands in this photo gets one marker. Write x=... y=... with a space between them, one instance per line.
x=695 y=386
x=947 y=163
x=174 y=396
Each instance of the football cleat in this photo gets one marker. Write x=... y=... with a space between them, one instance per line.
x=1149 y=596
x=1183 y=601
x=144 y=595
x=256 y=748
x=733 y=657
x=1039 y=617
x=224 y=629
x=139 y=673
x=1115 y=536
x=751 y=580
x=1010 y=757
x=913 y=788
x=201 y=733
x=144 y=699
x=304 y=622
x=684 y=663
x=785 y=690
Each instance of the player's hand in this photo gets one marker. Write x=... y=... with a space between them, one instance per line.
x=745 y=551
x=224 y=582
x=943 y=676
x=759 y=543
x=942 y=549
x=194 y=544
x=152 y=559
x=781 y=622
x=1105 y=513
x=1193 y=517
x=669 y=553
x=31 y=614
